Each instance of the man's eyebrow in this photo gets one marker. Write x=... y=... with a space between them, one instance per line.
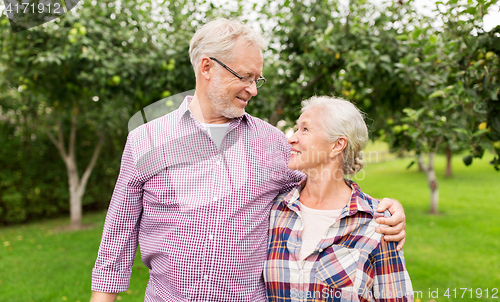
x=253 y=75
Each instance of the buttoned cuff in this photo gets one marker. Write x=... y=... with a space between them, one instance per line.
x=110 y=281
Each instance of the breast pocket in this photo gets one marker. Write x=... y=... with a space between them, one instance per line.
x=337 y=268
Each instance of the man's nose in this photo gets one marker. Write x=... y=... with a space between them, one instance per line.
x=252 y=88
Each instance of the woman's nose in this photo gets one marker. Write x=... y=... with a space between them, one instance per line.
x=293 y=139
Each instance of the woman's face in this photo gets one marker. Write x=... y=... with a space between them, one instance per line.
x=310 y=147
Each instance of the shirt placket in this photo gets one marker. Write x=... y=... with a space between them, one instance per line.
x=301 y=265
x=212 y=229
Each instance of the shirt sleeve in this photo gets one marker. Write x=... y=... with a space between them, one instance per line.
x=391 y=281
x=113 y=266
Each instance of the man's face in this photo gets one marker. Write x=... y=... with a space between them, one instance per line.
x=227 y=93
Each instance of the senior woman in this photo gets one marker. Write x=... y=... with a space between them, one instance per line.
x=322 y=240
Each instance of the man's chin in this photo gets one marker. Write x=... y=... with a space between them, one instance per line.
x=233 y=113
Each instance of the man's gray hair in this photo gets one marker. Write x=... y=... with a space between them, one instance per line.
x=341 y=118
x=217 y=39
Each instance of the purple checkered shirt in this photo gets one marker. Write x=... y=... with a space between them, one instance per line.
x=199 y=213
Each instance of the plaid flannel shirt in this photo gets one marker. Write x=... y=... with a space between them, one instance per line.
x=350 y=263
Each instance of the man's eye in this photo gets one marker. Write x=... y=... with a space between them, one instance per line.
x=305 y=129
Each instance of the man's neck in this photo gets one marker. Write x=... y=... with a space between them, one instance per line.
x=204 y=113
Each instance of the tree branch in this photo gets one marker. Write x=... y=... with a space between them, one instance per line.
x=59 y=142
x=72 y=135
x=421 y=162
x=93 y=160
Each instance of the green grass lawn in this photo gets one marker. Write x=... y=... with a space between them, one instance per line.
x=458 y=249
x=43 y=262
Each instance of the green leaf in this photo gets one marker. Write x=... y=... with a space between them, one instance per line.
x=433 y=39
x=460 y=130
x=328 y=30
x=411 y=164
x=450 y=106
x=494 y=94
x=400 y=65
x=419 y=112
x=478 y=152
x=362 y=65
x=385 y=58
x=467 y=160
x=479 y=132
x=416 y=33
x=437 y=93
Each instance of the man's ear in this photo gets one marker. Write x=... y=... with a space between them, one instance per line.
x=338 y=146
x=204 y=68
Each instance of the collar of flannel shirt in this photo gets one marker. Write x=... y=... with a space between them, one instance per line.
x=359 y=200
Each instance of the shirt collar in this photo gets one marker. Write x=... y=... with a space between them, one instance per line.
x=359 y=201
x=184 y=111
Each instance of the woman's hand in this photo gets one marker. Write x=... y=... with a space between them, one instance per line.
x=396 y=224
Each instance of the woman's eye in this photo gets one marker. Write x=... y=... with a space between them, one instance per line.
x=305 y=129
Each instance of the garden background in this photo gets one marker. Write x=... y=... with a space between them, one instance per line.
x=429 y=85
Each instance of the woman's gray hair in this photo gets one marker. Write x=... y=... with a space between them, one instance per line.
x=217 y=39
x=341 y=118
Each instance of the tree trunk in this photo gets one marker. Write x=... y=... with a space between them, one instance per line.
x=420 y=163
x=76 y=185
x=75 y=201
x=449 y=155
x=432 y=180
x=75 y=197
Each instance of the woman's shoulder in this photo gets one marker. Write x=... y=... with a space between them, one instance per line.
x=280 y=201
x=291 y=196
x=366 y=202
x=281 y=197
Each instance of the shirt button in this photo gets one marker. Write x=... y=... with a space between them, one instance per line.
x=218 y=162
x=205 y=277
x=215 y=198
x=210 y=236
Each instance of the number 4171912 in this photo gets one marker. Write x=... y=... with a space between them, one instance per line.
x=470 y=293
x=27 y=7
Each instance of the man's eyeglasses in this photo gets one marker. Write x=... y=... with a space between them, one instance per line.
x=247 y=80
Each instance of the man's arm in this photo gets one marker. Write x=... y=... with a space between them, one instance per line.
x=396 y=224
x=113 y=266
x=103 y=297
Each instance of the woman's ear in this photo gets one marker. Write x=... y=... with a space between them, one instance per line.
x=338 y=146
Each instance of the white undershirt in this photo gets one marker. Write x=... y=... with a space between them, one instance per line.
x=316 y=222
x=216 y=132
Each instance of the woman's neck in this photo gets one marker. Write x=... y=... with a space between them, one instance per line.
x=327 y=192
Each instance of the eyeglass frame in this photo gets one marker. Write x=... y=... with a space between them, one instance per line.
x=247 y=79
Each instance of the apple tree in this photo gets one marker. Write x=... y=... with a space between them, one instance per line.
x=81 y=76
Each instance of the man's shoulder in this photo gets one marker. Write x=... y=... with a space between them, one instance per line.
x=264 y=126
x=160 y=125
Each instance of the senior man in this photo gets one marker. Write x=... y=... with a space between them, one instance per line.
x=196 y=185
